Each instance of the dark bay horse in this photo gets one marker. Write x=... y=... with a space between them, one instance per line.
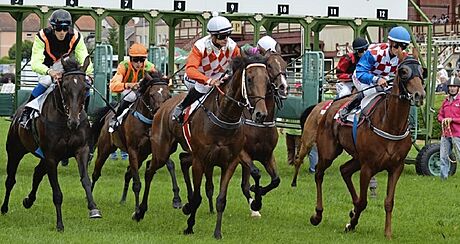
x=217 y=133
x=382 y=142
x=133 y=135
x=61 y=131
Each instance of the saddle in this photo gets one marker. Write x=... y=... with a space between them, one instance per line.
x=355 y=116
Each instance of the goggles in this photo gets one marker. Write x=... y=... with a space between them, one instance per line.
x=138 y=59
x=362 y=50
x=61 y=28
x=222 y=36
x=401 y=45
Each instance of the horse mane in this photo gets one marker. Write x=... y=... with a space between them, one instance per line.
x=149 y=79
x=70 y=63
x=239 y=63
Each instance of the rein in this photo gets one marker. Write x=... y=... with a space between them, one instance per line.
x=66 y=109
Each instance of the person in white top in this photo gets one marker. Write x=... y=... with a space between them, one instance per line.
x=441 y=78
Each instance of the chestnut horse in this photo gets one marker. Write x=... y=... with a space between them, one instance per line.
x=217 y=134
x=132 y=136
x=382 y=142
x=61 y=131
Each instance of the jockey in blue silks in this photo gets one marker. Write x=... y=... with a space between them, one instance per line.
x=378 y=64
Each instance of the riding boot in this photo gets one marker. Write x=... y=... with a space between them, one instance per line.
x=353 y=104
x=26 y=113
x=192 y=96
x=113 y=125
x=291 y=148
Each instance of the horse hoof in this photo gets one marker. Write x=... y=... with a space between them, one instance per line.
x=217 y=235
x=349 y=228
x=27 y=203
x=4 y=209
x=315 y=220
x=186 y=209
x=137 y=216
x=95 y=214
x=256 y=205
x=293 y=184
x=255 y=214
x=122 y=202
x=188 y=231
x=176 y=203
x=60 y=228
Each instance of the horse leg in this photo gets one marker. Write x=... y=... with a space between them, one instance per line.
x=254 y=204
x=185 y=164
x=305 y=147
x=270 y=167
x=191 y=207
x=222 y=198
x=209 y=186
x=347 y=170
x=128 y=177
x=176 y=202
x=103 y=152
x=14 y=157
x=39 y=172
x=57 y=193
x=393 y=177
x=82 y=156
x=134 y=169
x=361 y=204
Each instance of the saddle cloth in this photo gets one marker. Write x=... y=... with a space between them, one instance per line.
x=37 y=103
x=367 y=104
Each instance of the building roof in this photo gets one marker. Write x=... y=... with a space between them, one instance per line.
x=8 y=24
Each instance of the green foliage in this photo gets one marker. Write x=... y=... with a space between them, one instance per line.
x=425 y=208
x=113 y=39
x=26 y=50
x=6 y=60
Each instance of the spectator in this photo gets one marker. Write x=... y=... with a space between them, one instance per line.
x=443 y=20
x=434 y=20
x=441 y=79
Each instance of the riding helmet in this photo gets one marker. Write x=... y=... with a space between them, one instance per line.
x=137 y=50
x=399 y=34
x=454 y=81
x=219 y=25
x=360 y=43
x=60 y=17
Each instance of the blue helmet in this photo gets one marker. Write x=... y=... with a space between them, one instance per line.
x=399 y=34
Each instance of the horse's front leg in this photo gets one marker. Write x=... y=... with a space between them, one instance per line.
x=57 y=193
x=393 y=177
x=185 y=164
x=347 y=170
x=273 y=172
x=209 y=186
x=361 y=204
x=82 y=156
x=191 y=207
x=134 y=168
x=256 y=203
x=176 y=202
x=222 y=198
x=15 y=153
x=39 y=172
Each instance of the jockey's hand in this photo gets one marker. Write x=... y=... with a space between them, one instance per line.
x=215 y=82
x=133 y=86
x=382 y=82
x=56 y=75
x=446 y=121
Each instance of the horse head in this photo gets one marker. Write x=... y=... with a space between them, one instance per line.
x=155 y=90
x=276 y=68
x=73 y=89
x=410 y=77
x=252 y=79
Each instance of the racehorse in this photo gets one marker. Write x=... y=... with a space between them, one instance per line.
x=217 y=133
x=261 y=139
x=382 y=142
x=132 y=136
x=61 y=131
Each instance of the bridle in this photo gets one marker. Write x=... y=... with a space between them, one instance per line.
x=408 y=64
x=73 y=72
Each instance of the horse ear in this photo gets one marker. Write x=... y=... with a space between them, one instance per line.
x=278 y=48
x=86 y=63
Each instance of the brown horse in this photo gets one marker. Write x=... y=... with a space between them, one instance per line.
x=61 y=131
x=217 y=134
x=132 y=136
x=382 y=142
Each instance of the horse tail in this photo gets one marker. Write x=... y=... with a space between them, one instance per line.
x=305 y=115
x=99 y=120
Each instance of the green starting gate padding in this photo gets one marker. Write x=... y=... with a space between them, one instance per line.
x=6 y=104
x=312 y=81
x=159 y=57
x=103 y=66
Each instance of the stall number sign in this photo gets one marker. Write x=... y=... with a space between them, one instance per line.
x=17 y=2
x=179 y=5
x=232 y=8
x=71 y=3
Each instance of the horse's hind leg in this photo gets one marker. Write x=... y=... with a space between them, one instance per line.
x=209 y=186
x=128 y=177
x=15 y=153
x=305 y=147
x=222 y=198
x=176 y=202
x=103 y=151
x=82 y=156
x=39 y=172
x=347 y=170
x=134 y=159
x=393 y=177
x=361 y=204
x=191 y=207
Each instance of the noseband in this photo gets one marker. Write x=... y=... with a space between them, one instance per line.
x=73 y=72
x=414 y=70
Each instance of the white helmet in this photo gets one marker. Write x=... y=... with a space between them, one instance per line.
x=219 y=25
x=267 y=43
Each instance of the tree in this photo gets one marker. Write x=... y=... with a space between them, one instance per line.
x=113 y=39
x=26 y=50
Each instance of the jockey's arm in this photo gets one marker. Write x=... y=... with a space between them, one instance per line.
x=116 y=84
x=342 y=67
x=364 y=67
x=81 y=53
x=38 y=57
x=191 y=68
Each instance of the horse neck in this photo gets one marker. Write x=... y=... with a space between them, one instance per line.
x=270 y=104
x=229 y=108
x=395 y=111
x=140 y=107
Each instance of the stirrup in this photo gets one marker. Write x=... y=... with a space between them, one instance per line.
x=178 y=115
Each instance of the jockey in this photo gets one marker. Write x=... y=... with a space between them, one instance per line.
x=378 y=63
x=208 y=61
x=49 y=46
x=266 y=43
x=347 y=65
x=125 y=81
